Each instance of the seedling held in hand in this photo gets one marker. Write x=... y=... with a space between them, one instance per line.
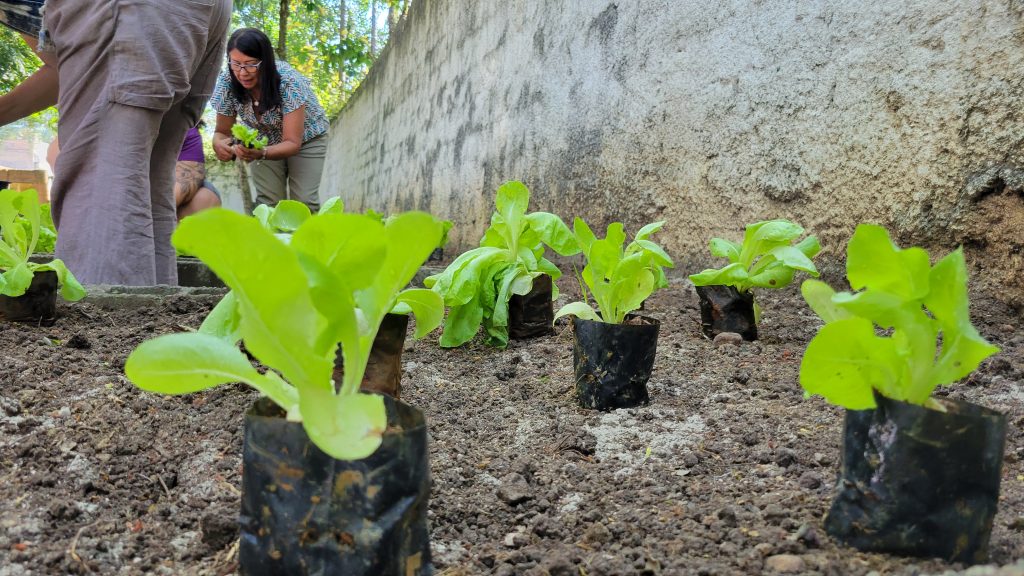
x=249 y=137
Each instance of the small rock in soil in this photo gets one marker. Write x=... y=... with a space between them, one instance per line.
x=810 y=480
x=559 y=565
x=514 y=489
x=726 y=338
x=597 y=533
x=219 y=529
x=78 y=342
x=785 y=457
x=516 y=540
x=728 y=516
x=10 y=406
x=741 y=377
x=1016 y=524
x=505 y=373
x=784 y=564
x=808 y=535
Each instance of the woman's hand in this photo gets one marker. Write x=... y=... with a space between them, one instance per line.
x=248 y=154
x=223 y=149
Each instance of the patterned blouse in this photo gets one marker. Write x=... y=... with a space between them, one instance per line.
x=295 y=93
x=22 y=15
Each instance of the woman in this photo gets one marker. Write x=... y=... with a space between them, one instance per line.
x=273 y=98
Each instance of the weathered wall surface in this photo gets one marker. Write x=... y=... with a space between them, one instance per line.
x=708 y=115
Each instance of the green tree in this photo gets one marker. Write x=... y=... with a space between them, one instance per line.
x=331 y=42
x=17 y=61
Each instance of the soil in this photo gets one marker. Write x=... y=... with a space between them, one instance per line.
x=729 y=470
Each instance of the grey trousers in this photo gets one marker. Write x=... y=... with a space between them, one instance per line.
x=135 y=75
x=296 y=177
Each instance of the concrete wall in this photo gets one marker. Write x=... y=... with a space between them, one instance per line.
x=224 y=176
x=708 y=115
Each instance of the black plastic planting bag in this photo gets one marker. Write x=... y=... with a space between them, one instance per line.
x=384 y=368
x=531 y=315
x=306 y=513
x=724 y=309
x=192 y=272
x=613 y=362
x=38 y=305
x=919 y=482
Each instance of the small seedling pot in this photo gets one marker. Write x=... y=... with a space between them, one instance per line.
x=38 y=305
x=724 y=309
x=192 y=272
x=384 y=368
x=305 y=513
x=613 y=362
x=532 y=315
x=919 y=482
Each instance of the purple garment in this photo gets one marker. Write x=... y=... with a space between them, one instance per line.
x=192 y=148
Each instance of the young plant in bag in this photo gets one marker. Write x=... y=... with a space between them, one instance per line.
x=618 y=278
x=766 y=259
x=21 y=227
x=929 y=340
x=291 y=305
x=478 y=285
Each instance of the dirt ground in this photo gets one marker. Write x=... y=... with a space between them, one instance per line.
x=728 y=470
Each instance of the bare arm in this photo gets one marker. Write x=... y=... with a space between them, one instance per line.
x=291 y=139
x=35 y=93
x=188 y=179
x=222 y=138
x=291 y=136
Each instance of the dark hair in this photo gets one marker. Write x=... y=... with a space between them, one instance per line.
x=255 y=44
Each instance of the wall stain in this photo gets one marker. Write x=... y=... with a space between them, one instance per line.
x=604 y=24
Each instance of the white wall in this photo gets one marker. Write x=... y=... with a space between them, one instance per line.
x=708 y=115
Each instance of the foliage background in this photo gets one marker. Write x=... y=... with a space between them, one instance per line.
x=332 y=42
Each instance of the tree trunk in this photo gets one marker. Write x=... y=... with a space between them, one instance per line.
x=243 y=185
x=373 y=28
x=282 y=31
x=342 y=35
x=392 y=19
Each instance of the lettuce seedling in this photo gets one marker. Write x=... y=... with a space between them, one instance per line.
x=478 y=285
x=928 y=341
x=618 y=279
x=447 y=224
x=291 y=305
x=767 y=258
x=286 y=217
x=249 y=137
x=21 y=226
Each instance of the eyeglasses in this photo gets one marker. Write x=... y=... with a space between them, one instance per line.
x=238 y=66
